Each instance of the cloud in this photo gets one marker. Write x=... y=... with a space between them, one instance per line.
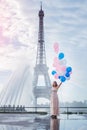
x=3 y=75
x=16 y=35
x=14 y=24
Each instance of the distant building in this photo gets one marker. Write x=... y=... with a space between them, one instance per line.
x=13 y=108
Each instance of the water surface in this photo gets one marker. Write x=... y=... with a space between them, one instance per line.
x=41 y=122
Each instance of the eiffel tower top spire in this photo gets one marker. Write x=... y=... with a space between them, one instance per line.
x=41 y=5
x=41 y=58
x=41 y=12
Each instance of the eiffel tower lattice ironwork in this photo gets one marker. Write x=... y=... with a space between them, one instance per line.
x=41 y=69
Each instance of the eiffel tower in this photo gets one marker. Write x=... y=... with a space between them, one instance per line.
x=41 y=69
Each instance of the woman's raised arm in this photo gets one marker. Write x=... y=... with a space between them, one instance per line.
x=59 y=85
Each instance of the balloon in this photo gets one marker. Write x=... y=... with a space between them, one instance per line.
x=54 y=72
x=56 y=47
x=56 y=60
x=58 y=68
x=61 y=56
x=68 y=69
x=67 y=75
x=62 y=78
x=59 y=77
x=60 y=72
x=56 y=76
x=67 y=78
x=56 y=50
x=63 y=69
x=62 y=62
x=70 y=72
x=54 y=65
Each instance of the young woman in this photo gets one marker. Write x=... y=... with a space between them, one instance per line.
x=54 y=100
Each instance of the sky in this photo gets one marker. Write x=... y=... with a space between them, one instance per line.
x=65 y=22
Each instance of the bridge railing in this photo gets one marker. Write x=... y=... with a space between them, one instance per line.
x=67 y=112
x=63 y=110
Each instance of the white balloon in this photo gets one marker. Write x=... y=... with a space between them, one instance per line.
x=67 y=78
x=63 y=62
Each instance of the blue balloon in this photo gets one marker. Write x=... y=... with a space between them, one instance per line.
x=59 y=77
x=54 y=72
x=67 y=75
x=61 y=56
x=63 y=79
x=68 y=69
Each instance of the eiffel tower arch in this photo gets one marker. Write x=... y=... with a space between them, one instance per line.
x=41 y=69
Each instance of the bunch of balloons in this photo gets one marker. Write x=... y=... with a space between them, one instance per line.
x=61 y=71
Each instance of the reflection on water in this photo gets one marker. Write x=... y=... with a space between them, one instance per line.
x=54 y=124
x=9 y=128
x=39 y=122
